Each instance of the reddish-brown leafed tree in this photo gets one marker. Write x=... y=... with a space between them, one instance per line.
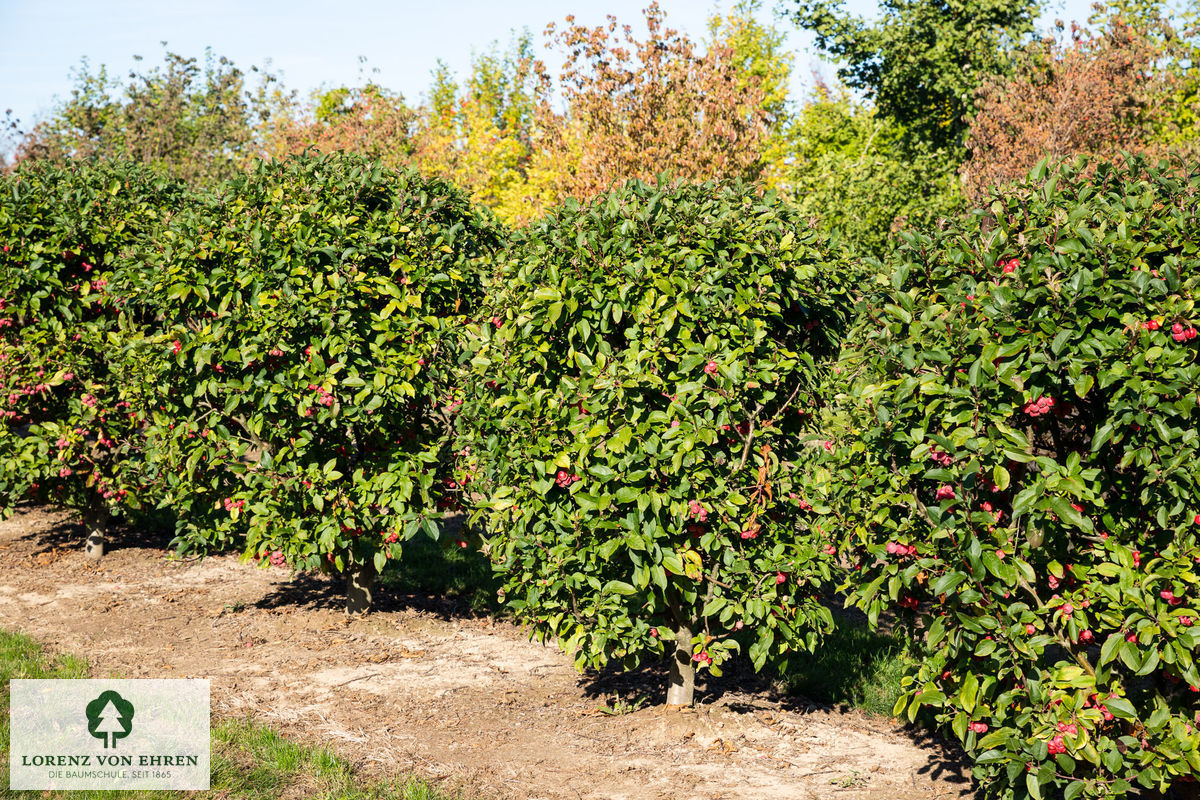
x=367 y=120
x=640 y=107
x=1091 y=96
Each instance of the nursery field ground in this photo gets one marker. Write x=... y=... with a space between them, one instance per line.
x=249 y=761
x=424 y=687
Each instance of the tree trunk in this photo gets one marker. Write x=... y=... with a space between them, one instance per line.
x=95 y=526
x=683 y=672
x=359 y=582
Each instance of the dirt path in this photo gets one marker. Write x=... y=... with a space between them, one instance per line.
x=468 y=701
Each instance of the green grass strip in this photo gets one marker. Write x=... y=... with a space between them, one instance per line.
x=249 y=761
x=853 y=668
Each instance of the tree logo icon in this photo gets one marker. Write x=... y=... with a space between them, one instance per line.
x=110 y=717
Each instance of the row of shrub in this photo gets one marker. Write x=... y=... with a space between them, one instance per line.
x=676 y=416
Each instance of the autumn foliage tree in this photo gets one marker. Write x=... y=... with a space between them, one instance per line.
x=515 y=134
x=521 y=139
x=1093 y=96
x=636 y=107
x=484 y=133
x=759 y=53
x=366 y=120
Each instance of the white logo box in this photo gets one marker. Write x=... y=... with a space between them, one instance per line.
x=109 y=734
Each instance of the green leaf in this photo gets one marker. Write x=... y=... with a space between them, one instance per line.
x=1066 y=512
x=601 y=472
x=1025 y=499
x=947 y=583
x=431 y=529
x=1120 y=707
x=1110 y=648
x=968 y=692
x=1000 y=477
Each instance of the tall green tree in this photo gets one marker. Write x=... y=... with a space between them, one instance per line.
x=921 y=61
x=856 y=172
x=759 y=53
x=194 y=120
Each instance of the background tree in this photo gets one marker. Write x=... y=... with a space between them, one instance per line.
x=639 y=107
x=483 y=134
x=515 y=136
x=922 y=60
x=367 y=120
x=193 y=121
x=479 y=134
x=1173 y=33
x=759 y=54
x=1098 y=95
x=858 y=174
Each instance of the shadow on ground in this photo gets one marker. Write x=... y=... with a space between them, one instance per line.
x=432 y=577
x=67 y=533
x=855 y=671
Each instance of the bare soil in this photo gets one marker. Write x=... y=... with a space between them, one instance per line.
x=464 y=701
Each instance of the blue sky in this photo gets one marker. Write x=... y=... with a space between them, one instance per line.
x=312 y=43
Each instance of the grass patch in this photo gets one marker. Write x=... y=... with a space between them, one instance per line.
x=443 y=569
x=249 y=761
x=853 y=667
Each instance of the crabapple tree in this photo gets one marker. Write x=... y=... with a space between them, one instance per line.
x=69 y=434
x=637 y=423
x=1025 y=474
x=304 y=361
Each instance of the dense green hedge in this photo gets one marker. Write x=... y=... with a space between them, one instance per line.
x=69 y=432
x=1024 y=475
x=304 y=360
x=320 y=359
x=637 y=412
